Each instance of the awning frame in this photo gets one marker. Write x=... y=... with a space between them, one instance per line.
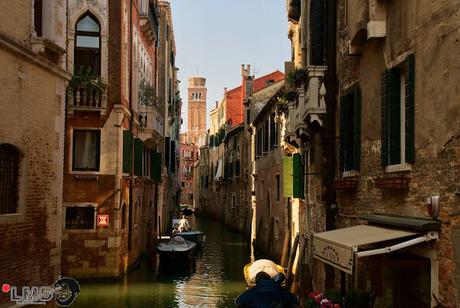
x=342 y=250
x=432 y=235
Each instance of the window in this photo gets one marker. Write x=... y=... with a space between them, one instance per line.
x=350 y=130
x=318 y=32
x=273 y=132
x=79 y=217
x=398 y=114
x=183 y=184
x=87 y=45
x=9 y=178
x=86 y=150
x=266 y=136
x=38 y=17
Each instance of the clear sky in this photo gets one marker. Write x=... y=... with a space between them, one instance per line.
x=214 y=37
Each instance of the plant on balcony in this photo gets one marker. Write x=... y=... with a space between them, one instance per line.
x=296 y=77
x=84 y=78
x=147 y=94
x=85 y=89
x=283 y=101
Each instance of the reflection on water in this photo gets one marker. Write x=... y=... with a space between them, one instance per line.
x=213 y=280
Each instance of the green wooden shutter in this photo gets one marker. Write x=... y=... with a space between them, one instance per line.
x=357 y=129
x=298 y=172
x=384 y=118
x=410 y=109
x=138 y=149
x=394 y=100
x=155 y=165
x=343 y=100
x=127 y=151
x=349 y=132
x=173 y=156
x=167 y=151
x=288 y=176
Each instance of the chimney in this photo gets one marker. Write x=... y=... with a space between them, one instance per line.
x=225 y=90
x=247 y=81
x=217 y=104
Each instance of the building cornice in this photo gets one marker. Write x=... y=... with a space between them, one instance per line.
x=15 y=47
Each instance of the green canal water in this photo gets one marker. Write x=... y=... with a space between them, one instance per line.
x=214 y=280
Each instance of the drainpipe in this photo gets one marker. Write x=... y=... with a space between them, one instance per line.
x=131 y=121
x=331 y=106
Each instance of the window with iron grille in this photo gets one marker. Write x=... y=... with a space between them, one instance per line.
x=9 y=178
x=79 y=217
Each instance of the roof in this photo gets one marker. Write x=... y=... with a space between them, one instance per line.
x=260 y=99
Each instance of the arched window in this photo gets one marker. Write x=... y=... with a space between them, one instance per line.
x=199 y=95
x=9 y=178
x=88 y=45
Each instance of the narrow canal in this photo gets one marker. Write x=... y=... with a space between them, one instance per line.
x=215 y=280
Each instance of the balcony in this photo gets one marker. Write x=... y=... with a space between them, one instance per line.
x=86 y=93
x=313 y=102
x=149 y=21
x=309 y=106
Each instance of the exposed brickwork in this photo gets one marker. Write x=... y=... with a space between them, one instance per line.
x=32 y=120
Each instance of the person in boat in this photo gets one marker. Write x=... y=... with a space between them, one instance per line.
x=265 y=294
x=183 y=225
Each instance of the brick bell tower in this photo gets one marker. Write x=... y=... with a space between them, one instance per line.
x=197 y=110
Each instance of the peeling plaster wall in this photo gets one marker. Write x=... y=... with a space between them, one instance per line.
x=430 y=30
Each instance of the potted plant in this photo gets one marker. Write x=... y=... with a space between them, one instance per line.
x=296 y=77
x=317 y=299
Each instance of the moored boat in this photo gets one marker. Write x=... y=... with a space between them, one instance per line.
x=176 y=248
x=195 y=236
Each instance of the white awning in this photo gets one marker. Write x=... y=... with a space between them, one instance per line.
x=219 y=174
x=340 y=247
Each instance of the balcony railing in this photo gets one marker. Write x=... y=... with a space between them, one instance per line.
x=149 y=21
x=310 y=104
x=86 y=98
x=313 y=103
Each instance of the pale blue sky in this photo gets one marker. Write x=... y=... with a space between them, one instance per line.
x=217 y=36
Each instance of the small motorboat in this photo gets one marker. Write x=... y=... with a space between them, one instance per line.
x=195 y=236
x=176 y=248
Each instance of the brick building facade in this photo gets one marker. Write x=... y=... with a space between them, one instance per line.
x=32 y=104
x=114 y=181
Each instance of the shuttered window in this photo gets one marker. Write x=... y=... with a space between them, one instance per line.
x=173 y=156
x=155 y=165
x=398 y=112
x=288 y=176
x=350 y=130
x=410 y=110
x=138 y=149
x=167 y=151
x=127 y=151
x=298 y=175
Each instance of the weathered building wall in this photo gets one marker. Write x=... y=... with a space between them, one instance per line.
x=271 y=215
x=429 y=31
x=31 y=121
